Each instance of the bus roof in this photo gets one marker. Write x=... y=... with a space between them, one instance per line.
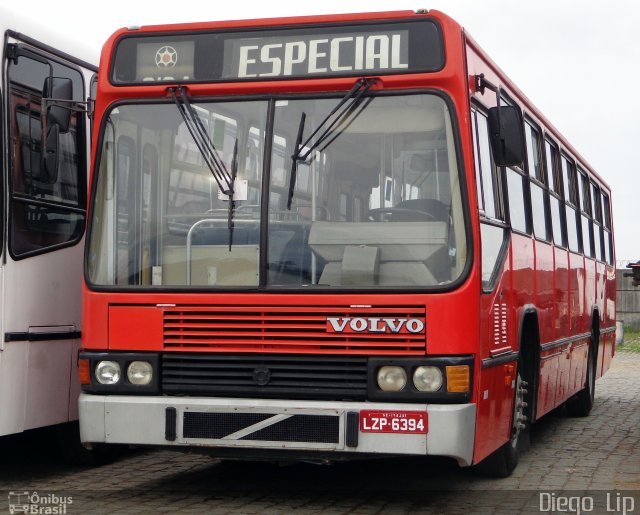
x=443 y=18
x=531 y=109
x=264 y=22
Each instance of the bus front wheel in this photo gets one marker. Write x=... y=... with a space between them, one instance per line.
x=74 y=453
x=503 y=461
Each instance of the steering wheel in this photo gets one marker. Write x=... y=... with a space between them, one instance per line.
x=380 y=214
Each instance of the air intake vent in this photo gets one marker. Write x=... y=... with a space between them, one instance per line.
x=296 y=330
x=292 y=377
x=258 y=427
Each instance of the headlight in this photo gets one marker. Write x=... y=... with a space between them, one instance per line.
x=427 y=379
x=391 y=379
x=108 y=372
x=140 y=372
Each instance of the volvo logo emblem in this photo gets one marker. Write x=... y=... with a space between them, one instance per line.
x=375 y=325
x=261 y=376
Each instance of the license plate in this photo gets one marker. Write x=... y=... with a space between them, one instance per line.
x=407 y=422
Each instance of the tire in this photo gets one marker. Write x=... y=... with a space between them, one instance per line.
x=74 y=453
x=502 y=462
x=580 y=405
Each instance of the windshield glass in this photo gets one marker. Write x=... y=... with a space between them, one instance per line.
x=376 y=204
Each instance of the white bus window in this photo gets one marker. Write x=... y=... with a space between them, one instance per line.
x=486 y=177
x=47 y=205
x=554 y=183
x=517 y=206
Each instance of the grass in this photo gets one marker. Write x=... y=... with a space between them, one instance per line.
x=631 y=340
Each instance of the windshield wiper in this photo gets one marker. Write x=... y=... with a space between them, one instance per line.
x=224 y=179
x=294 y=164
x=199 y=134
x=334 y=124
x=232 y=202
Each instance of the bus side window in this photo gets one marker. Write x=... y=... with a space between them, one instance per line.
x=46 y=210
x=606 y=223
x=493 y=236
x=537 y=181
x=516 y=201
x=585 y=207
x=571 y=202
x=554 y=183
x=596 y=209
x=487 y=181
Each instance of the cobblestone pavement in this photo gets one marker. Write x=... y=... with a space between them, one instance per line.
x=592 y=464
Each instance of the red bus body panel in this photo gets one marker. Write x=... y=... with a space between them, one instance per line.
x=563 y=289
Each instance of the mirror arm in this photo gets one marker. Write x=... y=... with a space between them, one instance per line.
x=76 y=106
x=481 y=83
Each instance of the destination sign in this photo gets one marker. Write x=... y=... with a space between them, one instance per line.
x=280 y=53
x=294 y=56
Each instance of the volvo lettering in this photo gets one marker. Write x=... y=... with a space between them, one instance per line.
x=375 y=325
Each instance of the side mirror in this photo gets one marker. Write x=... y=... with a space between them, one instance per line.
x=50 y=157
x=507 y=135
x=57 y=88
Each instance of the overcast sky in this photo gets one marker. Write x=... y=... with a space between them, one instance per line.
x=577 y=60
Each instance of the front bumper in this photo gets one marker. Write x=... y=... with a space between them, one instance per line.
x=271 y=425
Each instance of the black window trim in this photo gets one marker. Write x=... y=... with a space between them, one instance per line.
x=572 y=202
x=526 y=199
x=74 y=64
x=598 y=225
x=535 y=180
x=556 y=177
x=269 y=96
x=583 y=182
x=498 y=186
x=260 y=30
x=505 y=99
x=502 y=254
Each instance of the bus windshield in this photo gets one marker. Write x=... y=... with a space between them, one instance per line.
x=376 y=203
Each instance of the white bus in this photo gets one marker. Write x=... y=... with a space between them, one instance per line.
x=45 y=84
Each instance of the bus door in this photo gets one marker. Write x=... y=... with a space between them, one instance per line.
x=44 y=201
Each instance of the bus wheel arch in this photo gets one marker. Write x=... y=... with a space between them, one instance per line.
x=581 y=403
x=529 y=358
x=503 y=461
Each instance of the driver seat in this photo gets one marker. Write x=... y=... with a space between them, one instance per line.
x=439 y=210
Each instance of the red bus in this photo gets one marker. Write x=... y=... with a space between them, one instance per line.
x=335 y=236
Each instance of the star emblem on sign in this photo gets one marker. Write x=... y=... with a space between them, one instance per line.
x=166 y=57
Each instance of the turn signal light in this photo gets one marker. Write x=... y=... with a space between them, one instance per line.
x=84 y=371
x=458 y=378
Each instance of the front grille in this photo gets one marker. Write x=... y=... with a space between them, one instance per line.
x=292 y=377
x=268 y=428
x=287 y=329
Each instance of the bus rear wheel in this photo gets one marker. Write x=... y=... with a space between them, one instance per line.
x=580 y=405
